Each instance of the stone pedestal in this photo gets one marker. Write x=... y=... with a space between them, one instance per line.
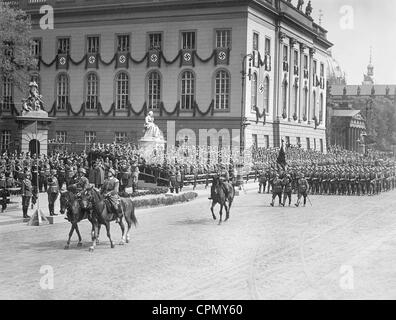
x=152 y=147
x=33 y=131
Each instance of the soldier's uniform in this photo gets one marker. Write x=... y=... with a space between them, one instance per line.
x=287 y=188
x=52 y=191
x=3 y=192
x=110 y=190
x=262 y=181
x=276 y=190
x=27 y=193
x=302 y=190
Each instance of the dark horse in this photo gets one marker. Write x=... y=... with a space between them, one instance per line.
x=223 y=192
x=92 y=199
x=70 y=204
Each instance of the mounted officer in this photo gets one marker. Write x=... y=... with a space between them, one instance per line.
x=110 y=191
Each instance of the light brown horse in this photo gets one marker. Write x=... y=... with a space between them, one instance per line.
x=223 y=192
x=92 y=199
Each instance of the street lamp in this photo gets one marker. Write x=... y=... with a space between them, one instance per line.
x=244 y=120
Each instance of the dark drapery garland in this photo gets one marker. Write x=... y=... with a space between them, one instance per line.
x=136 y=113
x=176 y=110
x=260 y=115
x=203 y=113
x=138 y=61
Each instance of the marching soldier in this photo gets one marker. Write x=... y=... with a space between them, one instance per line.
x=52 y=191
x=262 y=181
x=287 y=189
x=277 y=190
x=302 y=190
x=3 y=192
x=27 y=193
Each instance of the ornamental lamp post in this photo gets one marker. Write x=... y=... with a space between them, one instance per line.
x=244 y=120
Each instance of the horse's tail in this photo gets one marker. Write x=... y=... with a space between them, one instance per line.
x=128 y=205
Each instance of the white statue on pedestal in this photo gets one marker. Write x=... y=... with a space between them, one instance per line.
x=33 y=104
x=151 y=129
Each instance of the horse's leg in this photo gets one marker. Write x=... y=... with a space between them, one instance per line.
x=122 y=226
x=95 y=236
x=70 y=235
x=79 y=244
x=229 y=208
x=211 y=209
x=108 y=234
x=129 y=224
x=221 y=213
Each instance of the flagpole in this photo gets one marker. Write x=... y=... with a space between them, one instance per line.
x=37 y=180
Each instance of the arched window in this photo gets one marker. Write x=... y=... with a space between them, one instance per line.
x=7 y=93
x=266 y=94
x=122 y=90
x=92 y=91
x=254 y=90
x=321 y=108
x=154 y=90
x=187 y=90
x=62 y=91
x=222 y=89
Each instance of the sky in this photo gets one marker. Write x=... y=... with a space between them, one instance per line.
x=372 y=23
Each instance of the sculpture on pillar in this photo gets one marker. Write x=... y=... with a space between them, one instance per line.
x=33 y=102
x=300 y=4
x=308 y=9
x=151 y=129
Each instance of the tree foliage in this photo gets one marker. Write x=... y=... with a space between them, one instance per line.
x=15 y=54
x=381 y=120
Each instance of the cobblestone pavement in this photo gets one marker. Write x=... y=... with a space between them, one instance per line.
x=341 y=247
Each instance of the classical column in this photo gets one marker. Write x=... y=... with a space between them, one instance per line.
x=311 y=54
x=301 y=89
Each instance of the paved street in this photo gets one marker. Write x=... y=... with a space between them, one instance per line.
x=179 y=252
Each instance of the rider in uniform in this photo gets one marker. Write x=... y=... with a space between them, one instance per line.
x=110 y=190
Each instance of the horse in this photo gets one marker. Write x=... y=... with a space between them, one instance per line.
x=92 y=198
x=219 y=196
x=70 y=204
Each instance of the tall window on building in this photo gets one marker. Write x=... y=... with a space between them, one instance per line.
x=61 y=136
x=62 y=91
x=267 y=46
x=321 y=107
x=266 y=141
x=284 y=98
x=92 y=91
x=189 y=40
x=305 y=62
x=254 y=90
x=7 y=93
x=223 y=39
x=155 y=41
x=63 y=46
x=5 y=140
x=321 y=70
x=255 y=141
x=295 y=106
x=123 y=43
x=308 y=144
x=90 y=137
x=266 y=93
x=315 y=70
x=122 y=90
x=314 y=104
x=120 y=137
x=154 y=90
x=92 y=44
x=305 y=114
x=285 y=54
x=187 y=90
x=255 y=41
x=298 y=141
x=321 y=145
x=35 y=48
x=222 y=89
